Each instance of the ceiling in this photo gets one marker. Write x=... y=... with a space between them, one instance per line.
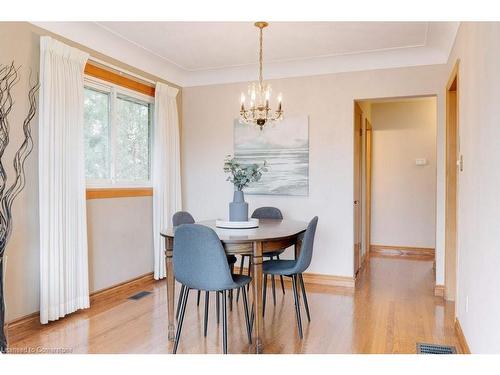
x=203 y=53
x=216 y=45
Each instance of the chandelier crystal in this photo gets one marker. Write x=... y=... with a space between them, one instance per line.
x=259 y=112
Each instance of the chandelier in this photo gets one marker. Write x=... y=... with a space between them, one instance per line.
x=259 y=113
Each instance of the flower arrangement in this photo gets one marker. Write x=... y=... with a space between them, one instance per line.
x=242 y=175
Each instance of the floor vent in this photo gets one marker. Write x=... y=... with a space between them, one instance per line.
x=435 y=349
x=139 y=295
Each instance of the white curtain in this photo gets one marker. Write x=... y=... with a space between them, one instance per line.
x=63 y=225
x=166 y=169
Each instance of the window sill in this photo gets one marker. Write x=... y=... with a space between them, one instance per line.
x=124 y=192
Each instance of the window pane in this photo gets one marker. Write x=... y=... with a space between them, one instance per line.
x=132 y=140
x=97 y=135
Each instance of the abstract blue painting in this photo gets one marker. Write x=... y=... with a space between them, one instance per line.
x=285 y=147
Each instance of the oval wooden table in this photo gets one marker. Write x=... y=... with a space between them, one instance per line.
x=271 y=235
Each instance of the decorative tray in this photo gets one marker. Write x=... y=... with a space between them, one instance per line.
x=251 y=223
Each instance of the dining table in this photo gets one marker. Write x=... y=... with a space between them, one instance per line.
x=270 y=235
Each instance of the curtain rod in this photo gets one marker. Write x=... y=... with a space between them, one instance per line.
x=114 y=67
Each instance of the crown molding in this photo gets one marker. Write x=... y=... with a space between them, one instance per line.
x=101 y=40
x=439 y=42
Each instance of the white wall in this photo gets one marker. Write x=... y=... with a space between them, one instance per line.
x=208 y=114
x=478 y=48
x=120 y=230
x=22 y=271
x=120 y=235
x=404 y=194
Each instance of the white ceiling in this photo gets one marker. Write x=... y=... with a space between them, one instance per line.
x=200 y=53
x=216 y=45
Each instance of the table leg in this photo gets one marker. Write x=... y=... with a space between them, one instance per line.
x=298 y=245
x=257 y=294
x=169 y=266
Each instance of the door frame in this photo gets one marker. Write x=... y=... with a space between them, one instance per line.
x=357 y=187
x=453 y=167
x=367 y=193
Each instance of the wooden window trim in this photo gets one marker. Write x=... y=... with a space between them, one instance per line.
x=106 y=193
x=122 y=80
x=118 y=79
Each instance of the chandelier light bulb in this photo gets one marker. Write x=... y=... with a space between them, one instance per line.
x=260 y=113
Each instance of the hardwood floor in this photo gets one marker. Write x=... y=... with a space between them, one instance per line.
x=392 y=309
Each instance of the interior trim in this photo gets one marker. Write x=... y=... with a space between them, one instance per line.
x=106 y=193
x=318 y=279
x=106 y=293
x=423 y=253
x=31 y=322
x=118 y=79
x=461 y=338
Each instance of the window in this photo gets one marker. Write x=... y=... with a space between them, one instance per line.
x=117 y=132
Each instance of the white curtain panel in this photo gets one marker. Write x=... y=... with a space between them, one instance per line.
x=166 y=170
x=64 y=285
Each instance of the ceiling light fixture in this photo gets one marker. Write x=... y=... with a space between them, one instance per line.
x=259 y=113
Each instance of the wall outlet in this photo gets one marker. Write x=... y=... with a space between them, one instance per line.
x=466 y=304
x=421 y=161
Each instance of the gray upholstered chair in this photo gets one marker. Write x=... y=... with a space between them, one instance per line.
x=274 y=214
x=295 y=268
x=200 y=263
x=184 y=217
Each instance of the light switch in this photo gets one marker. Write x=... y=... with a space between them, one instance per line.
x=421 y=161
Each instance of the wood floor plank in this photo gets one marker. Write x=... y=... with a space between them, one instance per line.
x=392 y=308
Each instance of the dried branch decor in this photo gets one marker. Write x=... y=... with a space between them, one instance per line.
x=9 y=77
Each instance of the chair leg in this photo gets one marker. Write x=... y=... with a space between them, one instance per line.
x=281 y=279
x=247 y=319
x=198 y=298
x=274 y=289
x=301 y=279
x=205 y=327
x=264 y=295
x=297 y=306
x=179 y=302
x=217 y=306
x=185 y=294
x=273 y=284
x=224 y=322
x=252 y=317
x=242 y=263
x=231 y=291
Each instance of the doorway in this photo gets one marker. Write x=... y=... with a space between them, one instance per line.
x=395 y=179
x=453 y=165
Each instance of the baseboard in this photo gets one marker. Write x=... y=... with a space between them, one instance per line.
x=461 y=338
x=319 y=279
x=32 y=321
x=409 y=252
x=105 y=293
x=25 y=323
x=439 y=291
x=329 y=280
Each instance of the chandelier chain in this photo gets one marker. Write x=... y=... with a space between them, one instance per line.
x=260 y=113
x=261 y=78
